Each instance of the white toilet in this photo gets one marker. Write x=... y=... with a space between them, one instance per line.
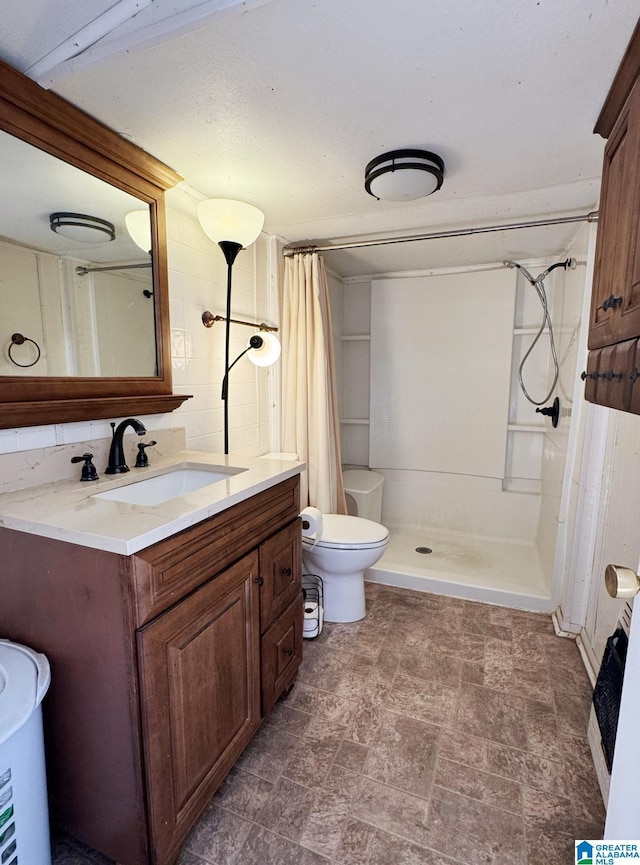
x=348 y=546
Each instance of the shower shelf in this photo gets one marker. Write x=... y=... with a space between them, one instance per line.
x=356 y=337
x=355 y=420
x=526 y=427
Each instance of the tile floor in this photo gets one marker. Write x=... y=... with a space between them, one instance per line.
x=435 y=732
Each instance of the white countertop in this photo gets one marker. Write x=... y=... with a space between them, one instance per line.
x=68 y=510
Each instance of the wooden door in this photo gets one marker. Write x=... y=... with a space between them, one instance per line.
x=615 y=306
x=200 y=692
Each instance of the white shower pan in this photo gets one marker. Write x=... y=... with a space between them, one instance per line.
x=461 y=565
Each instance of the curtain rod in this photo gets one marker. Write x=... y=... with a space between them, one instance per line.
x=435 y=235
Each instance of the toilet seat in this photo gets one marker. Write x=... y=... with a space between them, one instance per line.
x=341 y=532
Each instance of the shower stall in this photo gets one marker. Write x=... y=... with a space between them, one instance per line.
x=479 y=483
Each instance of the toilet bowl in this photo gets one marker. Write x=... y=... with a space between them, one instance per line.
x=348 y=546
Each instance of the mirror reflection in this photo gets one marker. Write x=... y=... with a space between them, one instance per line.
x=76 y=293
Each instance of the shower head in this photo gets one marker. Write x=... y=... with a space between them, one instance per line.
x=508 y=263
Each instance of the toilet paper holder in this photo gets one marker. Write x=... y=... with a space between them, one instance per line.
x=313 y=605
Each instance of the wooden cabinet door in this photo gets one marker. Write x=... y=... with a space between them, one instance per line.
x=615 y=304
x=200 y=695
x=281 y=572
x=281 y=653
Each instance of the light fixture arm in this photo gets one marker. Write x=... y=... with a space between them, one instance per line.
x=255 y=342
x=209 y=319
x=230 y=250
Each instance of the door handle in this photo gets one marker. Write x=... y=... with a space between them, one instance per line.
x=621 y=582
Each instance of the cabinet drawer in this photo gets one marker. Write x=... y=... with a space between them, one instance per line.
x=168 y=571
x=281 y=653
x=281 y=571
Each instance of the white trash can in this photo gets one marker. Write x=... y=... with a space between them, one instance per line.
x=24 y=815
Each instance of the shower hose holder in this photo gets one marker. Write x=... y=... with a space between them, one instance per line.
x=552 y=411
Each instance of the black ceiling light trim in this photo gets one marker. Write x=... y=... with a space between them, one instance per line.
x=398 y=161
x=58 y=221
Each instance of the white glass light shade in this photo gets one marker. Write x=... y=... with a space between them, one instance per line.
x=225 y=219
x=404 y=175
x=138 y=224
x=269 y=351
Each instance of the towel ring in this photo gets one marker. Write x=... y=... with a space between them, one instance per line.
x=20 y=339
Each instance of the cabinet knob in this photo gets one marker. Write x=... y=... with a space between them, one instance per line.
x=287 y=572
x=259 y=581
x=288 y=653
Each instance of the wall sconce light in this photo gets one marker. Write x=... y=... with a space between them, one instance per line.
x=138 y=224
x=82 y=228
x=233 y=225
x=263 y=350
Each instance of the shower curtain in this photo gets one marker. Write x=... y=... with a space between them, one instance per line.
x=309 y=405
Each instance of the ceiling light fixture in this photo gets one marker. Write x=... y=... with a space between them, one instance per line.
x=82 y=228
x=404 y=175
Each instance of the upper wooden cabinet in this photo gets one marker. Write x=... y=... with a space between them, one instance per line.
x=615 y=302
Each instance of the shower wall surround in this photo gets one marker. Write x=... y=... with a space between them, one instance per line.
x=197 y=281
x=521 y=504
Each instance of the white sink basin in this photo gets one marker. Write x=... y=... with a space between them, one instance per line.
x=172 y=484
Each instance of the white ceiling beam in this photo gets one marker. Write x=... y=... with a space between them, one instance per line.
x=162 y=28
x=87 y=36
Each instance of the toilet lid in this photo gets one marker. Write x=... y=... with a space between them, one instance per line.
x=340 y=531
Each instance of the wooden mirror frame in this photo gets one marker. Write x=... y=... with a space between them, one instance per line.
x=52 y=124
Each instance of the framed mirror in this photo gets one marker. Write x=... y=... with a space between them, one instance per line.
x=84 y=323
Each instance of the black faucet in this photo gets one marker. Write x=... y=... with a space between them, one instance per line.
x=117 y=464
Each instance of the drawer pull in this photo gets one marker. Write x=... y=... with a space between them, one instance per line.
x=259 y=581
x=592 y=375
x=611 y=303
x=634 y=375
x=612 y=374
x=286 y=572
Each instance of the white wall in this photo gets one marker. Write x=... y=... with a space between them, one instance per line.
x=197 y=281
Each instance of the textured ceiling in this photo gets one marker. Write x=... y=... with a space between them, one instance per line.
x=282 y=104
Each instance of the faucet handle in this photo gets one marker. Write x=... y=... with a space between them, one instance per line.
x=89 y=472
x=142 y=459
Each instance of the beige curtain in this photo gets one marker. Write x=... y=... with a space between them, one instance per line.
x=310 y=425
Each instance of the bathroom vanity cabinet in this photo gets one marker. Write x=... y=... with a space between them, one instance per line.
x=614 y=326
x=163 y=664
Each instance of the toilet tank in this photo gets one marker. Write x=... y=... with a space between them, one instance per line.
x=363 y=490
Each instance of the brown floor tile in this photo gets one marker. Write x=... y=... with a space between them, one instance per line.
x=218 y=836
x=403 y=754
x=490 y=789
x=321 y=703
x=573 y=713
x=532 y=769
x=351 y=755
x=243 y=793
x=367 y=712
x=263 y=847
x=473 y=832
x=489 y=714
x=552 y=824
x=287 y=809
x=268 y=752
x=353 y=848
x=425 y=701
x=433 y=666
x=392 y=811
x=387 y=849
